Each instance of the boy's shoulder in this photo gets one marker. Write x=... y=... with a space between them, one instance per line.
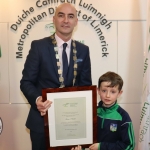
x=124 y=114
x=116 y=109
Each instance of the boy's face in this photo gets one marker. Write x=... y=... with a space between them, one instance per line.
x=108 y=94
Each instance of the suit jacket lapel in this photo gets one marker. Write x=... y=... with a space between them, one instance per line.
x=53 y=58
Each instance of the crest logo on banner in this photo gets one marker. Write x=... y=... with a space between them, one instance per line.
x=1 y=126
x=144 y=133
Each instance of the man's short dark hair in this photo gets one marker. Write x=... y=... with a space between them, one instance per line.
x=113 y=78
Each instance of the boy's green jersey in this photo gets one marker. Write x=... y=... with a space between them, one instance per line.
x=115 y=129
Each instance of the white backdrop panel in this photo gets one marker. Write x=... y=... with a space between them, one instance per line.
x=128 y=9
x=122 y=9
x=4 y=80
x=4 y=11
x=11 y=9
x=99 y=64
x=14 y=136
x=131 y=41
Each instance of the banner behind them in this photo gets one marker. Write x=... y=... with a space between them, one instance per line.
x=144 y=133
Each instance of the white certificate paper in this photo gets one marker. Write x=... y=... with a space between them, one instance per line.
x=70 y=118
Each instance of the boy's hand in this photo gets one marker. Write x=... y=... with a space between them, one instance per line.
x=94 y=146
x=77 y=148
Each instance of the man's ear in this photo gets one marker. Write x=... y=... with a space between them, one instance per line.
x=76 y=22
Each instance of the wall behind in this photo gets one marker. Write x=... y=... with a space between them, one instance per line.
x=120 y=22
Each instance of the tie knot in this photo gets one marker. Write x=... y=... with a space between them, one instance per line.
x=64 y=46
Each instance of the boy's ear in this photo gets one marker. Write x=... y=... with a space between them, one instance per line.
x=120 y=93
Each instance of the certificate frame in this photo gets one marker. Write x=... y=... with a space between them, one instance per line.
x=68 y=90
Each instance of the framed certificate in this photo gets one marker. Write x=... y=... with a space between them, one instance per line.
x=72 y=118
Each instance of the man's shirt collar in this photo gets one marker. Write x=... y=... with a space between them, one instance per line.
x=60 y=42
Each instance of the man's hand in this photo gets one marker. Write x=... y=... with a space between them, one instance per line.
x=43 y=106
x=94 y=146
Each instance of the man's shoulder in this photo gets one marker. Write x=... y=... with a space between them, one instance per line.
x=42 y=40
x=82 y=49
x=81 y=44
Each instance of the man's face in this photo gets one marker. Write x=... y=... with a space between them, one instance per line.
x=108 y=94
x=65 y=20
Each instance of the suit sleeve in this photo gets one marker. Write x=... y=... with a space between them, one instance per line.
x=85 y=76
x=30 y=76
x=127 y=141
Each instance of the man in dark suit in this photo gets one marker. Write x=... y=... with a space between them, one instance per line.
x=52 y=64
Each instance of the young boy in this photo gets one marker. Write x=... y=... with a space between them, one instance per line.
x=115 y=129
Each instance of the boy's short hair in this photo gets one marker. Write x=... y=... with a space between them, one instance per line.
x=113 y=78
